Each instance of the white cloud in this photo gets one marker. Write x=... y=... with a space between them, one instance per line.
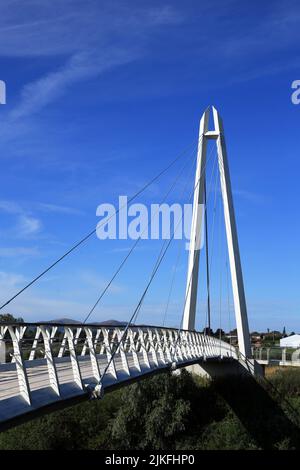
x=9 y=283
x=10 y=207
x=18 y=251
x=32 y=306
x=64 y=27
x=83 y=65
x=58 y=209
x=274 y=31
x=90 y=37
x=28 y=225
x=97 y=283
x=14 y=207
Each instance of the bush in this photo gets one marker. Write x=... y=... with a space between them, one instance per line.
x=171 y=412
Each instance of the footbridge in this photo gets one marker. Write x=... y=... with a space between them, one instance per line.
x=51 y=363
x=47 y=365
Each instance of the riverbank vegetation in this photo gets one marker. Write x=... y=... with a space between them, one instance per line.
x=175 y=412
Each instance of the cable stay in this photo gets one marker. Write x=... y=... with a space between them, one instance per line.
x=191 y=275
x=207 y=257
x=210 y=254
x=179 y=252
x=135 y=244
x=92 y=232
x=165 y=246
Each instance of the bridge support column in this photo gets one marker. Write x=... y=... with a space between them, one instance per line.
x=196 y=229
x=216 y=369
x=231 y=234
x=2 y=344
x=2 y=352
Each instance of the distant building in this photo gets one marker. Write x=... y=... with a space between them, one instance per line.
x=290 y=342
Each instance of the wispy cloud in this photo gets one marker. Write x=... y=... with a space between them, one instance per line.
x=28 y=226
x=51 y=28
x=90 y=38
x=128 y=248
x=10 y=281
x=273 y=31
x=37 y=94
x=40 y=305
x=58 y=209
x=97 y=283
x=10 y=207
x=18 y=251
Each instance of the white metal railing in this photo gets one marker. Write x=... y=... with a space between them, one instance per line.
x=39 y=356
x=276 y=354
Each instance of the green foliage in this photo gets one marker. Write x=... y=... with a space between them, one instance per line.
x=228 y=434
x=154 y=413
x=287 y=381
x=7 y=317
x=169 y=412
x=79 y=427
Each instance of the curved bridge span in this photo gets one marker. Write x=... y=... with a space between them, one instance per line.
x=46 y=365
x=42 y=365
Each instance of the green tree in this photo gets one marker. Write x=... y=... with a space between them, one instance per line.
x=153 y=415
x=7 y=317
x=219 y=333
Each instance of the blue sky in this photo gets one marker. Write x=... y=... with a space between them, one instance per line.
x=100 y=97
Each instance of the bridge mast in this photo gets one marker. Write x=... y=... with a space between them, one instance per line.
x=231 y=233
x=196 y=228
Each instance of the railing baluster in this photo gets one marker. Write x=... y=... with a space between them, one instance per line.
x=143 y=347
x=122 y=352
x=167 y=349
x=152 y=348
x=3 y=330
x=63 y=345
x=93 y=357
x=20 y=367
x=34 y=344
x=136 y=361
x=112 y=367
x=73 y=357
x=52 y=372
x=159 y=346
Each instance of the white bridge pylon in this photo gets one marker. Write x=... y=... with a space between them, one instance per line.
x=240 y=307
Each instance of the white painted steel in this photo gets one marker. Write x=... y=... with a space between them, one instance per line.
x=37 y=374
x=231 y=234
x=196 y=229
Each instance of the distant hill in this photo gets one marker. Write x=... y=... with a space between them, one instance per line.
x=69 y=321
x=111 y=322
x=62 y=320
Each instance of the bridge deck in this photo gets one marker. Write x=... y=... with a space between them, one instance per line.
x=42 y=394
x=33 y=384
